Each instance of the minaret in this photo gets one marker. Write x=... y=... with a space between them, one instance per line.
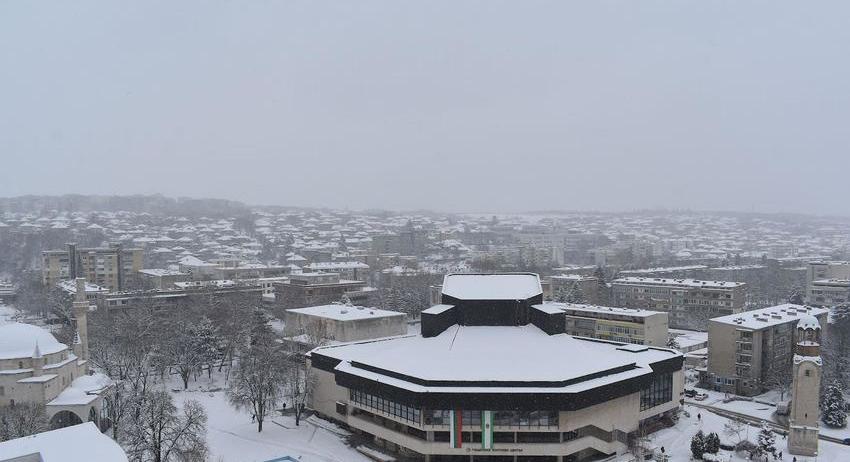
x=37 y=362
x=805 y=399
x=81 y=308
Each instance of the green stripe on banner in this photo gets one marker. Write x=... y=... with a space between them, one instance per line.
x=487 y=429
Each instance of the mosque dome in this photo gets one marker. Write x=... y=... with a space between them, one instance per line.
x=18 y=340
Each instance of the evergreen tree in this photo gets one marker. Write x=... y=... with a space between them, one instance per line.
x=766 y=443
x=673 y=343
x=698 y=445
x=796 y=297
x=602 y=297
x=833 y=406
x=562 y=294
x=575 y=295
x=207 y=343
x=712 y=443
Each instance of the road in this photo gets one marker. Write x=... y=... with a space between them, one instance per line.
x=755 y=421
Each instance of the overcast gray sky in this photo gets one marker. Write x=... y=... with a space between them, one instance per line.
x=455 y=105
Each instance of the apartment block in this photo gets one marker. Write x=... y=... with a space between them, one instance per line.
x=689 y=302
x=313 y=289
x=110 y=267
x=642 y=327
x=750 y=353
x=828 y=283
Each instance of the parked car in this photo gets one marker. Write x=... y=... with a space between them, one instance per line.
x=700 y=396
x=690 y=392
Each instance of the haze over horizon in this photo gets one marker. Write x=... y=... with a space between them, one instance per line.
x=467 y=106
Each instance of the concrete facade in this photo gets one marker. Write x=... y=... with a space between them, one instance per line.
x=343 y=323
x=109 y=267
x=752 y=352
x=628 y=325
x=690 y=302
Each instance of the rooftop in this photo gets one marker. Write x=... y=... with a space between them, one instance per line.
x=601 y=309
x=78 y=443
x=18 y=340
x=345 y=312
x=506 y=286
x=770 y=316
x=494 y=354
x=692 y=283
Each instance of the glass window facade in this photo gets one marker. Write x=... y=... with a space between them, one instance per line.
x=523 y=419
x=660 y=391
x=397 y=410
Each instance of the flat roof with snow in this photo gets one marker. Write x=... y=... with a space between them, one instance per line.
x=574 y=307
x=690 y=283
x=770 y=316
x=506 y=286
x=340 y=312
x=494 y=354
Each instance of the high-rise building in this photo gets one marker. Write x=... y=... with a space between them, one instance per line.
x=110 y=267
x=751 y=352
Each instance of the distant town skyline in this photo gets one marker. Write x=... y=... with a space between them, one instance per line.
x=458 y=106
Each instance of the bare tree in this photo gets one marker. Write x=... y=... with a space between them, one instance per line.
x=21 y=420
x=299 y=384
x=161 y=434
x=259 y=375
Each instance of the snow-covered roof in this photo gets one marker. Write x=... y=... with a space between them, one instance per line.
x=506 y=286
x=437 y=309
x=575 y=307
x=340 y=312
x=770 y=316
x=78 y=443
x=493 y=353
x=336 y=265
x=162 y=272
x=690 y=283
x=808 y=322
x=18 y=340
x=83 y=390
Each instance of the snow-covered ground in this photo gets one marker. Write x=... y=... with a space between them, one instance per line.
x=677 y=439
x=757 y=409
x=232 y=437
x=6 y=313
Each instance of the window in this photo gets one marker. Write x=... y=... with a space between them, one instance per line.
x=2 y=391
x=397 y=410
x=660 y=391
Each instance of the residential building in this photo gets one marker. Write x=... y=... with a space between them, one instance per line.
x=312 y=289
x=751 y=352
x=641 y=327
x=828 y=283
x=342 y=323
x=486 y=379
x=112 y=267
x=353 y=270
x=158 y=278
x=690 y=302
